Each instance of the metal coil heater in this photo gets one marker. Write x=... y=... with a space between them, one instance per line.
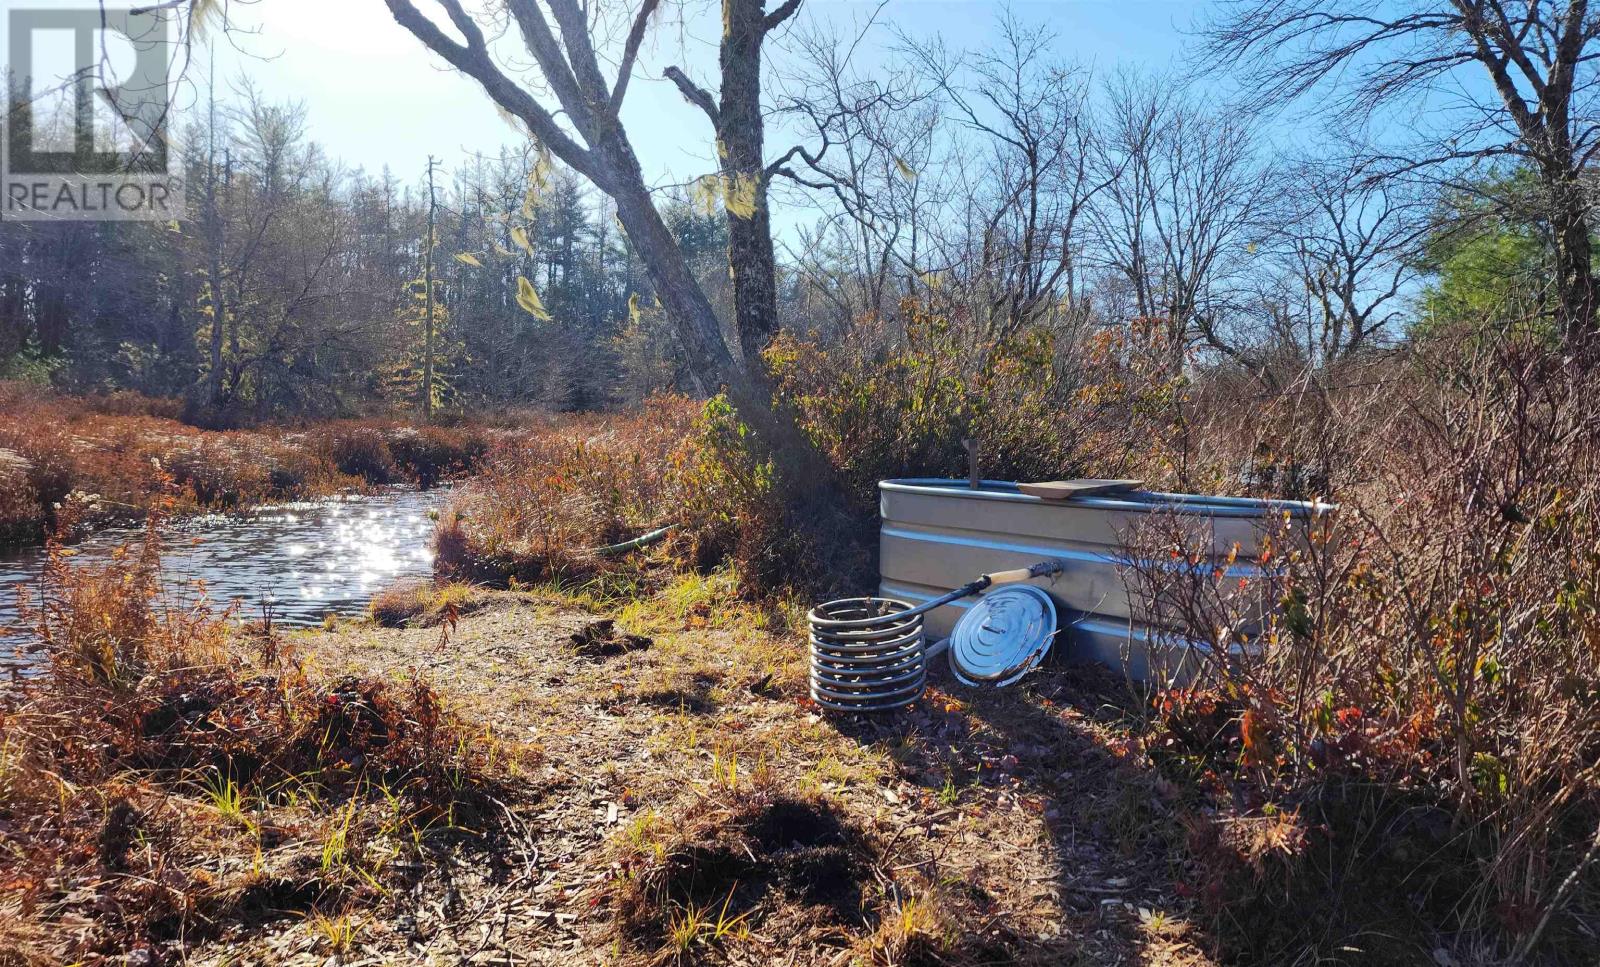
x=867 y=654
x=871 y=654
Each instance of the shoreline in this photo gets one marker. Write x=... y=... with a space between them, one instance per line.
x=65 y=461
x=652 y=785
x=655 y=755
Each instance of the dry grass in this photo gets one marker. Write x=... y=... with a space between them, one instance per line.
x=423 y=604
x=700 y=877
x=548 y=496
x=693 y=807
x=167 y=782
x=115 y=457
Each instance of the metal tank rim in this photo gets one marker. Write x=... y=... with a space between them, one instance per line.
x=1134 y=501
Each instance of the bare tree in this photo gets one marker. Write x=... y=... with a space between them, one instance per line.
x=875 y=168
x=967 y=173
x=1187 y=205
x=590 y=138
x=1029 y=213
x=1353 y=246
x=1537 y=57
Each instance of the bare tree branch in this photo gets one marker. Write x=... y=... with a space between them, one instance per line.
x=474 y=61
x=630 y=52
x=783 y=12
x=1377 y=54
x=695 y=95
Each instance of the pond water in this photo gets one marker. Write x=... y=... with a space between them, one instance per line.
x=297 y=562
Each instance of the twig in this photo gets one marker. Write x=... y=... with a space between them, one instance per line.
x=1571 y=881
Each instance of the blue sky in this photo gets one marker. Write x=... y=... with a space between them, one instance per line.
x=375 y=97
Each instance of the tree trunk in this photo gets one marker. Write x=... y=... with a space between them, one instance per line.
x=747 y=387
x=1574 y=265
x=218 y=313
x=571 y=70
x=216 y=241
x=14 y=324
x=741 y=146
x=51 y=322
x=669 y=272
x=427 y=322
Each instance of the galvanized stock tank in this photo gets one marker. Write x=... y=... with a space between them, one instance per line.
x=937 y=534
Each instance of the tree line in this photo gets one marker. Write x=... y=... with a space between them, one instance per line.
x=1006 y=188
x=294 y=286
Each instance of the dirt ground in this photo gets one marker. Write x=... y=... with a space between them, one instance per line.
x=686 y=803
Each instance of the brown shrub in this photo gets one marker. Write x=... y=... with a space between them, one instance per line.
x=876 y=405
x=1423 y=698
x=429 y=454
x=546 y=498
x=296 y=472
x=21 y=517
x=358 y=450
x=125 y=453
x=41 y=470
x=153 y=756
x=125 y=402
x=397 y=604
x=217 y=471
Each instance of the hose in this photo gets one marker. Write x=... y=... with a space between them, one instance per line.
x=983 y=583
x=643 y=540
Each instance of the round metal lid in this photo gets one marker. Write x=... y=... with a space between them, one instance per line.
x=1003 y=635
